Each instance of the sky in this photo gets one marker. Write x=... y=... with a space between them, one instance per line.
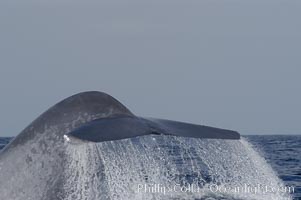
x=232 y=64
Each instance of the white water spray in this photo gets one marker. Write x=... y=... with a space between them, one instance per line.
x=140 y=168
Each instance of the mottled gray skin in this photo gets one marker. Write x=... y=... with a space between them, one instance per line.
x=73 y=115
x=64 y=115
x=35 y=164
x=41 y=145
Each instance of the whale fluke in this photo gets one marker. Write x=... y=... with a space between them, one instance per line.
x=127 y=125
x=121 y=127
x=96 y=116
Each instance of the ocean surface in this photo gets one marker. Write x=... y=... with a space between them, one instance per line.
x=283 y=153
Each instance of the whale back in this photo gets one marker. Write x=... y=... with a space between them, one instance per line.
x=33 y=165
x=71 y=113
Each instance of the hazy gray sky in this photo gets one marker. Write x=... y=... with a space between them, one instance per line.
x=230 y=64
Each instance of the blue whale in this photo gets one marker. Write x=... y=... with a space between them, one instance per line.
x=36 y=164
x=96 y=116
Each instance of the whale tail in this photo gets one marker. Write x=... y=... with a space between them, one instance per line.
x=97 y=117
x=127 y=125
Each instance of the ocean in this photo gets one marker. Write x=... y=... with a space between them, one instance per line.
x=283 y=153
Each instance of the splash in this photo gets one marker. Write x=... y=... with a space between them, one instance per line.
x=167 y=167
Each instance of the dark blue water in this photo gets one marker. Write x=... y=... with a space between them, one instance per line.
x=4 y=141
x=283 y=153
